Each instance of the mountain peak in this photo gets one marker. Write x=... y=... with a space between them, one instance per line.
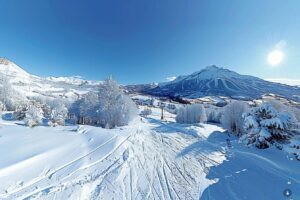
x=212 y=67
x=10 y=68
x=212 y=72
x=217 y=81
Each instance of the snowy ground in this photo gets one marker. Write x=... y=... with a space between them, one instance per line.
x=148 y=159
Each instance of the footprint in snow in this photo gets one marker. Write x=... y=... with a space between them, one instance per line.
x=20 y=183
x=125 y=154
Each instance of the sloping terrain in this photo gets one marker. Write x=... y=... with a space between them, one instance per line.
x=211 y=81
x=29 y=85
x=147 y=159
x=215 y=81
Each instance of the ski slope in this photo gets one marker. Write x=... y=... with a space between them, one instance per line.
x=148 y=159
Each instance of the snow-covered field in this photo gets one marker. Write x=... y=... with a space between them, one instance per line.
x=148 y=159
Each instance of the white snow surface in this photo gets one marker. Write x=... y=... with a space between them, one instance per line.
x=30 y=85
x=148 y=159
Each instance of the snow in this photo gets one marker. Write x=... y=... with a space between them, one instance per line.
x=75 y=80
x=292 y=82
x=34 y=86
x=148 y=159
x=9 y=68
x=217 y=81
x=251 y=173
x=140 y=160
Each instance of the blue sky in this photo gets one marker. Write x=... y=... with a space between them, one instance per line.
x=140 y=41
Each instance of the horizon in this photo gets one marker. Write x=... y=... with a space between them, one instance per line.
x=291 y=82
x=150 y=99
x=144 y=42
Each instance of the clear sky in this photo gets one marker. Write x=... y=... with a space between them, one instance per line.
x=140 y=41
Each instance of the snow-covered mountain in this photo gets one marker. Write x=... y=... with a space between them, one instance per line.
x=216 y=81
x=30 y=85
x=210 y=81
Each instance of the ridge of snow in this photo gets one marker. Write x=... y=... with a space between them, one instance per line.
x=216 y=81
x=10 y=68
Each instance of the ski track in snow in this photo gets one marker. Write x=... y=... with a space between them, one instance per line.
x=156 y=160
x=146 y=164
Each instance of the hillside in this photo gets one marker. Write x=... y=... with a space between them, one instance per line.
x=216 y=81
x=211 y=81
x=148 y=159
x=29 y=85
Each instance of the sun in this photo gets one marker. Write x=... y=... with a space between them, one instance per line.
x=275 y=57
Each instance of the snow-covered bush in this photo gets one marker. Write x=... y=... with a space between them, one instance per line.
x=191 y=114
x=213 y=114
x=33 y=115
x=108 y=107
x=146 y=112
x=54 y=110
x=59 y=113
x=9 y=96
x=232 y=118
x=265 y=125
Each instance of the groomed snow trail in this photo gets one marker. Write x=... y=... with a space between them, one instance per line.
x=148 y=160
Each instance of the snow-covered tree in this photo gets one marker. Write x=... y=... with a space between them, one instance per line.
x=213 y=114
x=108 y=107
x=54 y=109
x=290 y=109
x=116 y=108
x=232 y=118
x=59 y=113
x=89 y=106
x=191 y=114
x=9 y=96
x=265 y=125
x=33 y=115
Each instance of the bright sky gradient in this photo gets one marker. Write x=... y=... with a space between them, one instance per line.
x=140 y=41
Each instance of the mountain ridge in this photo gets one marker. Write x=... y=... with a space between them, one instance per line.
x=209 y=81
x=28 y=85
x=218 y=81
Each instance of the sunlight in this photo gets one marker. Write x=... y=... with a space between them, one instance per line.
x=275 y=57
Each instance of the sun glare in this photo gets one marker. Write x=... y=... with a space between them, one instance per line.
x=275 y=57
